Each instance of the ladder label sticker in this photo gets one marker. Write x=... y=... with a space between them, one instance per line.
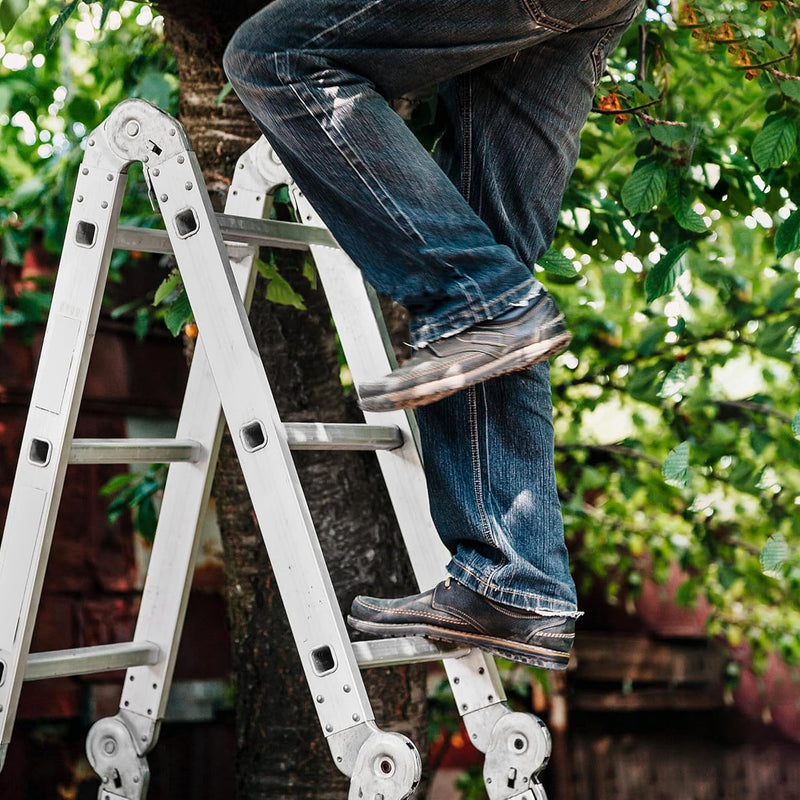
x=58 y=351
x=20 y=543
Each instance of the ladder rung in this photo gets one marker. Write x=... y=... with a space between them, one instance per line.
x=300 y=435
x=342 y=436
x=88 y=660
x=134 y=451
x=245 y=230
x=405 y=650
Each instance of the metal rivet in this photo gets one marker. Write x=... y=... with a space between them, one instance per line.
x=491 y=698
x=155 y=686
x=481 y=670
x=126 y=704
x=104 y=204
x=346 y=687
x=110 y=746
x=488 y=780
x=338 y=759
x=320 y=698
x=79 y=198
x=136 y=779
x=133 y=128
x=241 y=166
x=149 y=710
x=144 y=738
x=145 y=159
x=356 y=718
x=456 y=680
x=156 y=173
x=172 y=132
x=109 y=177
x=189 y=186
x=105 y=778
x=84 y=171
x=132 y=678
x=164 y=198
x=329 y=728
x=181 y=159
x=235 y=192
x=464 y=706
x=91 y=142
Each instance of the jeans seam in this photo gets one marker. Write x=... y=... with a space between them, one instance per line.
x=347 y=151
x=598 y=56
x=466 y=138
x=477 y=483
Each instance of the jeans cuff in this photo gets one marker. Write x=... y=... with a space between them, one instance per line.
x=527 y=601
x=428 y=328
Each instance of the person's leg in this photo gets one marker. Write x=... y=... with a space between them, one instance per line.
x=315 y=75
x=510 y=148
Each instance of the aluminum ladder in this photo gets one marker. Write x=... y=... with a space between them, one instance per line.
x=216 y=254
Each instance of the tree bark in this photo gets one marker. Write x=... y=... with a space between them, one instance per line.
x=281 y=752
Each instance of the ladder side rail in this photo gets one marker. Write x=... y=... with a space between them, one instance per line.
x=57 y=390
x=185 y=499
x=324 y=647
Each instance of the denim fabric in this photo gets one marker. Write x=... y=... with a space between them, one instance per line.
x=453 y=238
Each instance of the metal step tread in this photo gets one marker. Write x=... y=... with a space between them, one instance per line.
x=243 y=230
x=404 y=650
x=300 y=435
x=88 y=660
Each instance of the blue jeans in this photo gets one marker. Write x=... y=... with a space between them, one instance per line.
x=453 y=238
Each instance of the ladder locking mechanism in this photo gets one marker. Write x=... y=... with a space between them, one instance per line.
x=112 y=753
x=519 y=749
x=388 y=767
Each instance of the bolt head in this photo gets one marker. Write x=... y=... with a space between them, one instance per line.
x=132 y=128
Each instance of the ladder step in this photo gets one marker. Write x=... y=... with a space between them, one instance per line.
x=300 y=435
x=88 y=660
x=404 y=650
x=246 y=230
x=342 y=436
x=134 y=451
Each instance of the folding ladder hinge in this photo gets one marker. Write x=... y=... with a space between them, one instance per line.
x=382 y=765
x=519 y=748
x=112 y=751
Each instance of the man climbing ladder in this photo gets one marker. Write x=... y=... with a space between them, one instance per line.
x=455 y=241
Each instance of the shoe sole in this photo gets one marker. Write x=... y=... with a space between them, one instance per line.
x=431 y=391
x=524 y=653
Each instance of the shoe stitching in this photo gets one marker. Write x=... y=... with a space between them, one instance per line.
x=397 y=611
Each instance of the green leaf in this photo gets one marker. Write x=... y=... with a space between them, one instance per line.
x=178 y=313
x=63 y=16
x=117 y=483
x=662 y=277
x=790 y=89
x=773 y=555
x=675 y=381
x=147 y=519
x=10 y=12
x=167 y=286
x=226 y=90
x=645 y=186
x=669 y=134
x=775 y=142
x=280 y=291
x=796 y=425
x=679 y=201
x=676 y=466
x=787 y=238
x=556 y=263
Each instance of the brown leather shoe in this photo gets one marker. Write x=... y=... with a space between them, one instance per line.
x=453 y=613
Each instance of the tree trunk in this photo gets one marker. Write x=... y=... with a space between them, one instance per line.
x=281 y=752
